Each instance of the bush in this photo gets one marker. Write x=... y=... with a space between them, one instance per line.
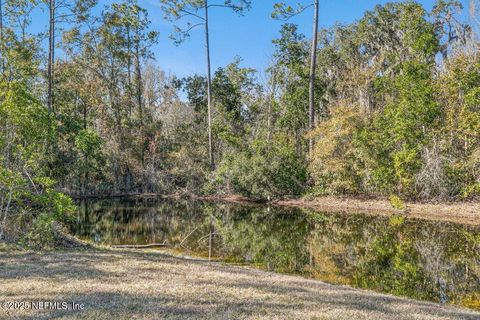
x=396 y=202
x=335 y=165
x=37 y=212
x=46 y=227
x=42 y=232
x=266 y=171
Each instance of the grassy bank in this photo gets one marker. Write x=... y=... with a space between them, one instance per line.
x=123 y=284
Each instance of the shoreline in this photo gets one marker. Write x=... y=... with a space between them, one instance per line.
x=456 y=212
x=459 y=212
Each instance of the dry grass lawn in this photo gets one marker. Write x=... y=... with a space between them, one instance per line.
x=126 y=284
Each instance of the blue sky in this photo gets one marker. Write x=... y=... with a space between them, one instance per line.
x=249 y=36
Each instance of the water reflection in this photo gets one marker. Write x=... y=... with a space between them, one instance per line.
x=425 y=260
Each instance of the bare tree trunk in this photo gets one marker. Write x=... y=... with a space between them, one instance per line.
x=5 y=212
x=139 y=93
x=138 y=68
x=2 y=53
x=129 y=69
x=270 y=105
x=51 y=56
x=269 y=121
x=84 y=116
x=313 y=65
x=210 y=246
x=209 y=90
x=129 y=57
x=210 y=240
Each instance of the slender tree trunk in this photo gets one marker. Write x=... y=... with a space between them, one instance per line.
x=5 y=213
x=85 y=176
x=269 y=121
x=210 y=246
x=85 y=158
x=2 y=53
x=51 y=56
x=129 y=57
x=139 y=94
x=209 y=90
x=84 y=116
x=270 y=105
x=129 y=70
x=313 y=65
x=138 y=68
x=210 y=240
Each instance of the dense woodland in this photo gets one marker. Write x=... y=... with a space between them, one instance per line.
x=387 y=105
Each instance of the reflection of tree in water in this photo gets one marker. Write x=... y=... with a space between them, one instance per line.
x=418 y=259
x=275 y=240
x=138 y=222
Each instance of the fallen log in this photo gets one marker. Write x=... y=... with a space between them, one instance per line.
x=139 y=246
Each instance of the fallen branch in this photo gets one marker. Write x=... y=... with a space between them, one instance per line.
x=181 y=243
x=139 y=246
x=206 y=236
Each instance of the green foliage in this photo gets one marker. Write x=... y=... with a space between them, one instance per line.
x=291 y=73
x=42 y=233
x=389 y=265
x=390 y=120
x=458 y=85
x=88 y=142
x=25 y=188
x=403 y=129
x=266 y=171
x=90 y=146
x=396 y=202
x=55 y=210
x=54 y=207
x=411 y=128
x=335 y=163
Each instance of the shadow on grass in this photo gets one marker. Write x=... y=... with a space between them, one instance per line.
x=317 y=293
x=111 y=305
x=243 y=291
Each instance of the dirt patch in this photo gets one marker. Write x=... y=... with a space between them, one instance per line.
x=125 y=284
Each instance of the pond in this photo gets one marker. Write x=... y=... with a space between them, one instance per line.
x=426 y=260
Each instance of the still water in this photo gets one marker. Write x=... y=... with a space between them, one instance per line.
x=425 y=260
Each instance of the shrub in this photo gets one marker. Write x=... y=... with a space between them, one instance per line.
x=266 y=171
x=334 y=165
x=396 y=202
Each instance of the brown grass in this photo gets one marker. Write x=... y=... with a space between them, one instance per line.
x=124 y=284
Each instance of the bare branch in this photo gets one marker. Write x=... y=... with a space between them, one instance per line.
x=283 y=12
x=187 y=13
